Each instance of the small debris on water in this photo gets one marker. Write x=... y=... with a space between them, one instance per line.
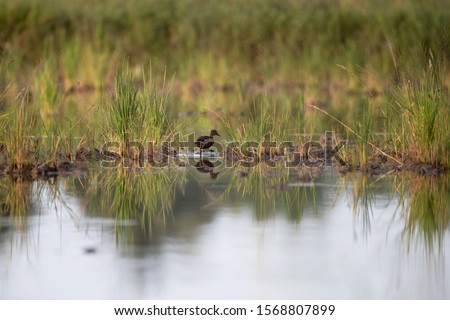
x=90 y=250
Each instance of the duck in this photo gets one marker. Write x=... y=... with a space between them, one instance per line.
x=206 y=142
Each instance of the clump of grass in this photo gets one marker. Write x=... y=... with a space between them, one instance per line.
x=421 y=106
x=267 y=124
x=19 y=125
x=54 y=137
x=124 y=111
x=159 y=125
x=34 y=136
x=364 y=132
x=361 y=132
x=417 y=122
x=134 y=115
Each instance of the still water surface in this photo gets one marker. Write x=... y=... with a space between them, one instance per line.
x=183 y=235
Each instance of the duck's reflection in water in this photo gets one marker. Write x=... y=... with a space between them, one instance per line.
x=206 y=166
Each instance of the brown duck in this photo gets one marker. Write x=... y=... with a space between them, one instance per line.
x=206 y=142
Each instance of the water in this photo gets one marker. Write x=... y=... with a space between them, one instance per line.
x=184 y=234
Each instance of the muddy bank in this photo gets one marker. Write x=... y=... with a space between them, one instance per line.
x=303 y=160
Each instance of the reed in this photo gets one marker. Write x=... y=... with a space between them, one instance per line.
x=415 y=119
x=267 y=125
x=288 y=39
x=134 y=115
x=364 y=131
x=52 y=136
x=19 y=127
x=34 y=133
x=421 y=108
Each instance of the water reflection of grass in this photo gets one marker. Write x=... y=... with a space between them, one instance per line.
x=363 y=197
x=270 y=192
x=424 y=203
x=15 y=201
x=126 y=194
x=427 y=213
x=21 y=199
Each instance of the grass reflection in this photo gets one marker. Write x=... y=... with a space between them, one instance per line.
x=363 y=189
x=427 y=213
x=15 y=201
x=22 y=200
x=271 y=191
x=423 y=203
x=132 y=195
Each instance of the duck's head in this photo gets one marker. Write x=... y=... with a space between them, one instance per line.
x=214 y=133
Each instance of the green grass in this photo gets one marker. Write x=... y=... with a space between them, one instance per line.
x=19 y=126
x=34 y=131
x=137 y=115
x=421 y=107
x=294 y=39
x=39 y=130
x=413 y=119
x=66 y=56
x=267 y=124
